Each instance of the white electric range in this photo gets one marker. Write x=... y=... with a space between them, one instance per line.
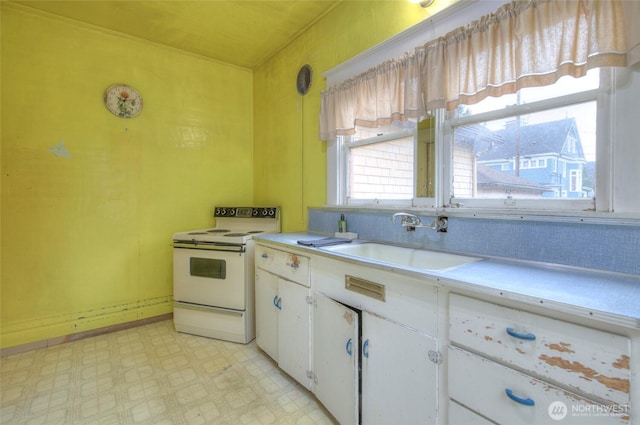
x=213 y=274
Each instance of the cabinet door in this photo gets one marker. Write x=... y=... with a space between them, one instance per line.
x=267 y=313
x=399 y=382
x=294 y=354
x=335 y=358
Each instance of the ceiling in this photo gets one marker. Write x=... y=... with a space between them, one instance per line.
x=240 y=32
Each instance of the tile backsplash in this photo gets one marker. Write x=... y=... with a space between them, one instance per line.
x=601 y=246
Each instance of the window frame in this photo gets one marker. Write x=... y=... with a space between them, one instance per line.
x=602 y=201
x=345 y=143
x=442 y=201
x=616 y=166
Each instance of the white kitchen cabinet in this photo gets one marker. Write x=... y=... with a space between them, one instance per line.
x=336 y=358
x=283 y=310
x=460 y=415
x=516 y=363
x=510 y=397
x=267 y=312
x=589 y=361
x=399 y=381
x=535 y=369
x=294 y=316
x=286 y=264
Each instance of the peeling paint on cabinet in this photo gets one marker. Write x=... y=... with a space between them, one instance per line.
x=591 y=362
x=587 y=372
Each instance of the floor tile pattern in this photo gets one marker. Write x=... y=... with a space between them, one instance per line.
x=151 y=375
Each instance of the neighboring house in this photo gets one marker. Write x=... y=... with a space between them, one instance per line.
x=494 y=184
x=547 y=157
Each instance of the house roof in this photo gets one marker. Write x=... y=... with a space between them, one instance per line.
x=535 y=139
x=487 y=176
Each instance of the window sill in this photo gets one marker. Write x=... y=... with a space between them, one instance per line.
x=586 y=217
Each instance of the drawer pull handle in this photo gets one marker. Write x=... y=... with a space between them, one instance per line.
x=264 y=255
x=523 y=401
x=277 y=302
x=365 y=349
x=526 y=337
x=294 y=265
x=349 y=346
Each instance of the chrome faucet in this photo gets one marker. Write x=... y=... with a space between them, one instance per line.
x=440 y=224
x=409 y=221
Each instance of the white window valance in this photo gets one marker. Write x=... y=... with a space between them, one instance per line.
x=525 y=43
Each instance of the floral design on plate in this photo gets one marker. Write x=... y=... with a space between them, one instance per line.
x=123 y=101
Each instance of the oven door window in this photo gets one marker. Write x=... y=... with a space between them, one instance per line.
x=208 y=267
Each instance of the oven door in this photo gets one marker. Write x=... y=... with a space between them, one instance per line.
x=209 y=277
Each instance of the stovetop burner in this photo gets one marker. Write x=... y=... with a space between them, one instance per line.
x=234 y=225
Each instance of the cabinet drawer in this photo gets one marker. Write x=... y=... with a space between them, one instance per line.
x=482 y=385
x=591 y=361
x=459 y=415
x=288 y=265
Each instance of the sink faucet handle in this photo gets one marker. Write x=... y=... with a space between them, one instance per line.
x=440 y=224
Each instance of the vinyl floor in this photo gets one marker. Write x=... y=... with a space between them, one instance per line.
x=151 y=375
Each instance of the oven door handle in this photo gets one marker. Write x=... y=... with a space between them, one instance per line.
x=209 y=246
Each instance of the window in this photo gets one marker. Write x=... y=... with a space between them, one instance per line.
x=379 y=164
x=529 y=163
x=507 y=148
x=533 y=149
x=575 y=184
x=394 y=164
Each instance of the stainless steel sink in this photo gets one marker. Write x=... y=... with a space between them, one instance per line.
x=402 y=256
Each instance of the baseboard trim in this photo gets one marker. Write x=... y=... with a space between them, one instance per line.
x=82 y=335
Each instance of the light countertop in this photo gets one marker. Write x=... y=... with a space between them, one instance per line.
x=610 y=297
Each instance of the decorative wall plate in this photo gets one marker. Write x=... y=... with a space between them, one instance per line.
x=123 y=101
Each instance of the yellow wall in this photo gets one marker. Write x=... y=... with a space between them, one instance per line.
x=85 y=239
x=290 y=161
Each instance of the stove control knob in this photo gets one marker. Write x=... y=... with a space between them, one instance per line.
x=272 y=212
x=265 y=212
x=223 y=212
x=255 y=212
x=232 y=212
x=217 y=213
